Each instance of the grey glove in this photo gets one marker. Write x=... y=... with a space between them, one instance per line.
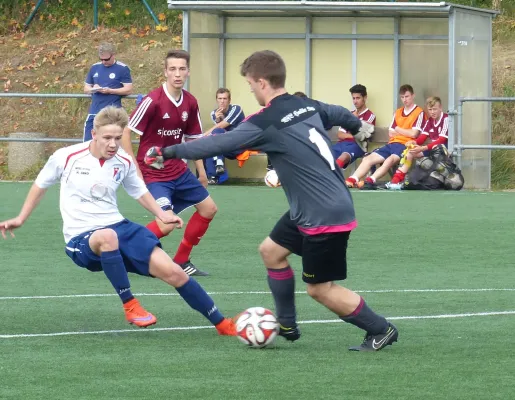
x=363 y=134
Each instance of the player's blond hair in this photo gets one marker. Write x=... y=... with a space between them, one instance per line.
x=431 y=101
x=111 y=115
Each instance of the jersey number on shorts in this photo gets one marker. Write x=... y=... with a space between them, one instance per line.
x=324 y=149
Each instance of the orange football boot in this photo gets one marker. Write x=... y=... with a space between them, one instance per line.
x=226 y=328
x=137 y=315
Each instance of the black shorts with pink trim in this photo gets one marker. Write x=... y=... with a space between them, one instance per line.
x=324 y=256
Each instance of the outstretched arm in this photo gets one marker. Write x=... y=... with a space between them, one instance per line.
x=33 y=198
x=334 y=115
x=149 y=203
x=244 y=137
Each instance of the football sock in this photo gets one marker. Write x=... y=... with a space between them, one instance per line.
x=340 y=163
x=370 y=179
x=398 y=177
x=154 y=228
x=195 y=229
x=199 y=300
x=352 y=179
x=363 y=317
x=282 y=284
x=114 y=268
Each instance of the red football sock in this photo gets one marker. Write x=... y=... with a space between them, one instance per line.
x=340 y=163
x=352 y=180
x=370 y=179
x=398 y=177
x=154 y=228
x=195 y=229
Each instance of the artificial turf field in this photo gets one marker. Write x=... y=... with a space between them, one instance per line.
x=439 y=264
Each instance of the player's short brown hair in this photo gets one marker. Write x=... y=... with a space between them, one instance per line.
x=178 y=54
x=267 y=65
x=111 y=115
x=300 y=94
x=223 y=90
x=406 y=88
x=431 y=101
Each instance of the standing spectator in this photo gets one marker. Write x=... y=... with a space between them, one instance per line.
x=107 y=81
x=226 y=117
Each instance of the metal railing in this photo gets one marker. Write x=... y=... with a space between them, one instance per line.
x=53 y=96
x=459 y=146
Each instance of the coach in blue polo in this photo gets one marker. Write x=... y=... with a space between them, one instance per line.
x=107 y=81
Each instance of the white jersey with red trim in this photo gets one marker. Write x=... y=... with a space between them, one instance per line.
x=88 y=187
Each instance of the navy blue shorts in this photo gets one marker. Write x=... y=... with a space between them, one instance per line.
x=136 y=244
x=179 y=194
x=349 y=147
x=390 y=149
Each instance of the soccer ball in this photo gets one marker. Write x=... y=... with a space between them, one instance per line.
x=271 y=179
x=257 y=327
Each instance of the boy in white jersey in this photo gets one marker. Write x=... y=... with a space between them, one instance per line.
x=98 y=237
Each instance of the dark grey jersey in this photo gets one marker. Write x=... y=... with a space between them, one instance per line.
x=291 y=130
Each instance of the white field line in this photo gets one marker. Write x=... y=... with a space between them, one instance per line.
x=72 y=296
x=192 y=328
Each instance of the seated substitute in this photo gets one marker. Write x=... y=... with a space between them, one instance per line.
x=226 y=117
x=97 y=236
x=347 y=150
x=406 y=125
x=434 y=131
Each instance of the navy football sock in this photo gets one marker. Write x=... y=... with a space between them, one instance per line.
x=114 y=268
x=199 y=300
x=363 y=317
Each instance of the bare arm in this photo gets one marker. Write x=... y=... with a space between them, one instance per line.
x=123 y=91
x=32 y=200
x=127 y=146
x=87 y=88
x=149 y=203
x=221 y=125
x=411 y=133
x=202 y=175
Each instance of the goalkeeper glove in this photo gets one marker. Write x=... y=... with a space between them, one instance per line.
x=363 y=134
x=154 y=158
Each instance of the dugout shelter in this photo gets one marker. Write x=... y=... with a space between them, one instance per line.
x=441 y=49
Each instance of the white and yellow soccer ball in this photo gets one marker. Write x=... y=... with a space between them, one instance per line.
x=257 y=327
x=271 y=179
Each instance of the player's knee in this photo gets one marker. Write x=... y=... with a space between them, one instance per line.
x=107 y=239
x=318 y=291
x=208 y=209
x=269 y=256
x=174 y=276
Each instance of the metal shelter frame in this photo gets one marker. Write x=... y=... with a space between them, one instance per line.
x=95 y=13
x=310 y=9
